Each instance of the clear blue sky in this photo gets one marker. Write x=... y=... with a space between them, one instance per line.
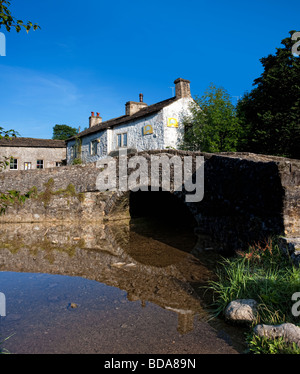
x=95 y=55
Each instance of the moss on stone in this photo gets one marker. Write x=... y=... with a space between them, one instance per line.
x=70 y=191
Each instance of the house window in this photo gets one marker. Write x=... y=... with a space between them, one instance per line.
x=94 y=147
x=74 y=151
x=40 y=164
x=27 y=165
x=122 y=140
x=125 y=140
x=13 y=164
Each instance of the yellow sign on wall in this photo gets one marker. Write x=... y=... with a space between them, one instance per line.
x=148 y=129
x=172 y=122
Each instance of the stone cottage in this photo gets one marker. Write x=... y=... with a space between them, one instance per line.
x=31 y=153
x=143 y=127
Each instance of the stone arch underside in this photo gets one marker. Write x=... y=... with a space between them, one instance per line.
x=159 y=204
x=247 y=198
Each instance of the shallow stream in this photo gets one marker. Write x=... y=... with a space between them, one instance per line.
x=123 y=287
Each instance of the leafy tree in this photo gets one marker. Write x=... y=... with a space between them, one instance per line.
x=8 y=21
x=213 y=125
x=63 y=132
x=270 y=113
x=7 y=134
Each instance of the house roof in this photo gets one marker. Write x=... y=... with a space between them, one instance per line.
x=32 y=143
x=154 y=108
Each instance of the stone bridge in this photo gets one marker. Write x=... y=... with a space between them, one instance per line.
x=247 y=197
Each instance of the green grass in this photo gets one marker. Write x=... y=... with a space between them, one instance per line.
x=2 y=349
x=263 y=345
x=263 y=273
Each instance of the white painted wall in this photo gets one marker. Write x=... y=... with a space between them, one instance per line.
x=86 y=155
x=177 y=110
x=161 y=138
x=135 y=137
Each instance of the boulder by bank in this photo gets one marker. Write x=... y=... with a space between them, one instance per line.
x=241 y=311
x=288 y=331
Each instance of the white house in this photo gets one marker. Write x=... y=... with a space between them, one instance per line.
x=143 y=127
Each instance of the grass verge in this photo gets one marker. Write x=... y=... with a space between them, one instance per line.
x=2 y=349
x=266 y=274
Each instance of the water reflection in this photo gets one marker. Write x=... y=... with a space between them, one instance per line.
x=148 y=264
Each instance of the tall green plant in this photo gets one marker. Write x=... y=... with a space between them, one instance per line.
x=8 y=135
x=271 y=111
x=63 y=132
x=2 y=341
x=213 y=125
x=12 y=197
x=262 y=273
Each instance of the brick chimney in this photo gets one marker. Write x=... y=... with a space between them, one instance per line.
x=94 y=120
x=182 y=88
x=132 y=107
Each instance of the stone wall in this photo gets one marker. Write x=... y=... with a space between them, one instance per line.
x=83 y=177
x=247 y=197
x=67 y=193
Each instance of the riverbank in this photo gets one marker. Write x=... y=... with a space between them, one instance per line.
x=267 y=275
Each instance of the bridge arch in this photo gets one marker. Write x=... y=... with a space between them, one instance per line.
x=161 y=205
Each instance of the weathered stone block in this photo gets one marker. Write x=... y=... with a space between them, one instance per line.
x=288 y=331
x=241 y=310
